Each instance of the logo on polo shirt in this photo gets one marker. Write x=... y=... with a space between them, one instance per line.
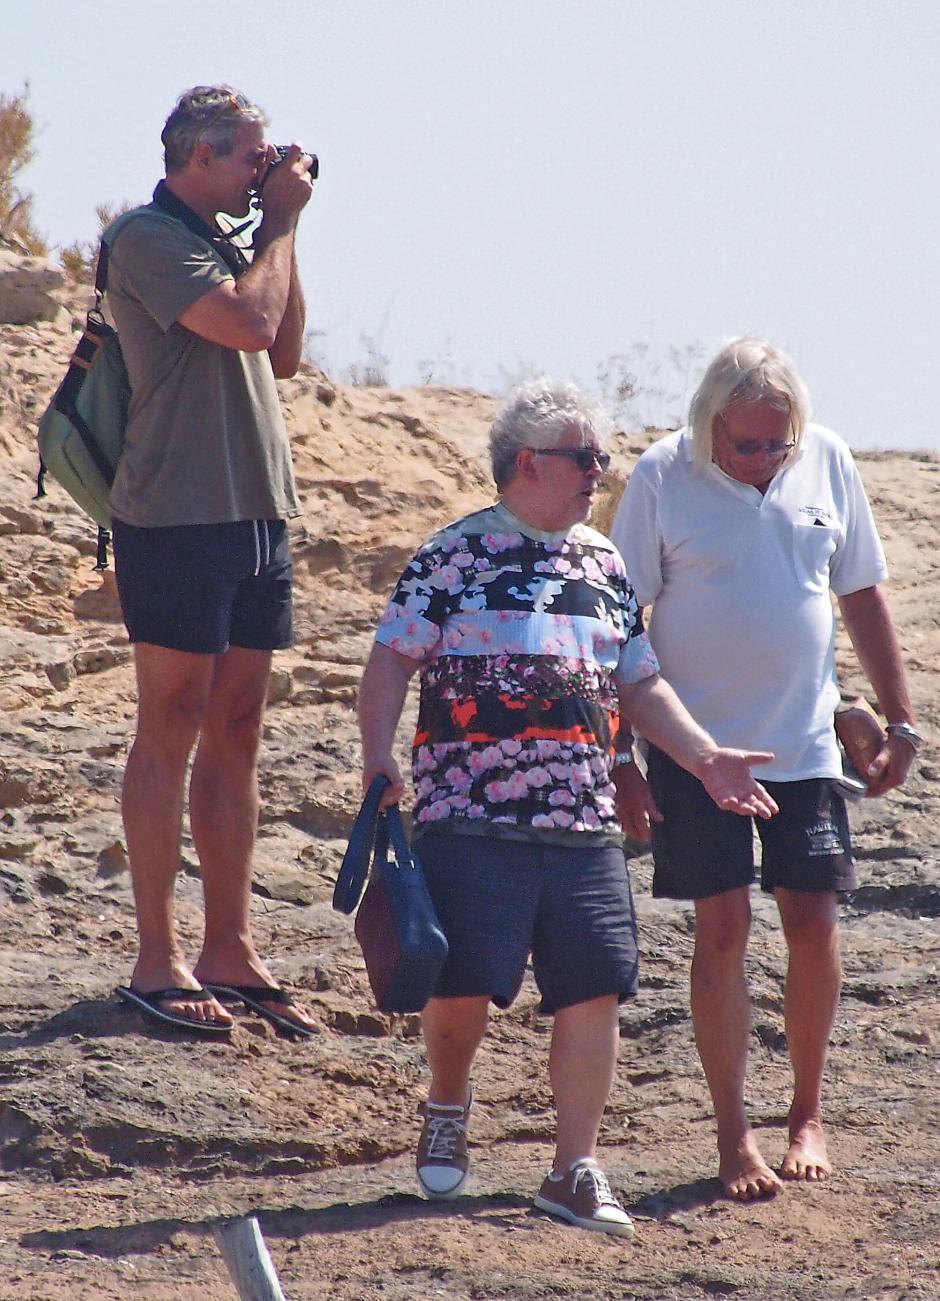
x=821 y=516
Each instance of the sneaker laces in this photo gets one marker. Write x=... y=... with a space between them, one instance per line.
x=443 y=1133
x=602 y=1189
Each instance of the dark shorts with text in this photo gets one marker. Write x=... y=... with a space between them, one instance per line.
x=700 y=850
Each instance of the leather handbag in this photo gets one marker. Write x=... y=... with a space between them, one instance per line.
x=397 y=928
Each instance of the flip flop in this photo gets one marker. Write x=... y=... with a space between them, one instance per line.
x=149 y=1005
x=255 y=997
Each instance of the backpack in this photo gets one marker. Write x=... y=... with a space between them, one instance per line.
x=81 y=432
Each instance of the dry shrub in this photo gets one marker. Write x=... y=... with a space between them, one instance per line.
x=80 y=259
x=16 y=152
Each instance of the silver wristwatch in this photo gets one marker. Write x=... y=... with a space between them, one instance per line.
x=622 y=758
x=907 y=733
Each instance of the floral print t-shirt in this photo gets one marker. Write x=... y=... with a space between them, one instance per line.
x=523 y=637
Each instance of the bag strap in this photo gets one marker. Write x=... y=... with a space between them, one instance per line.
x=396 y=834
x=363 y=839
x=108 y=236
x=97 y=330
x=101 y=273
x=220 y=240
x=169 y=205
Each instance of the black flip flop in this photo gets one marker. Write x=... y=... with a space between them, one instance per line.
x=255 y=997
x=149 y=1005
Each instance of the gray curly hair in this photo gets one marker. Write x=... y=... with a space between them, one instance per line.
x=210 y=113
x=538 y=414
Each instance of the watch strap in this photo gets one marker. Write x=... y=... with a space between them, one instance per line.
x=907 y=733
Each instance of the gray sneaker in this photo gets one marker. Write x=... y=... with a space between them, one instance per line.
x=582 y=1196
x=442 y=1161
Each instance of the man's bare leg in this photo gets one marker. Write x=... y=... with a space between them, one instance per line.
x=721 y=1014
x=814 y=979
x=453 y=1030
x=581 y=1063
x=172 y=689
x=223 y=814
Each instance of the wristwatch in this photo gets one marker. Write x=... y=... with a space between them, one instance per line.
x=907 y=733
x=622 y=758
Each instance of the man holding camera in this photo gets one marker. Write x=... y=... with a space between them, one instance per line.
x=201 y=500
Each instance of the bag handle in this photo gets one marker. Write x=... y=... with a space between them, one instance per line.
x=355 y=865
x=396 y=834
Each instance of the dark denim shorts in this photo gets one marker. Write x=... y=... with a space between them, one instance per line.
x=501 y=900
x=205 y=587
x=700 y=850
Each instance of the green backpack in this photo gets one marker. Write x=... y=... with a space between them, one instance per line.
x=81 y=433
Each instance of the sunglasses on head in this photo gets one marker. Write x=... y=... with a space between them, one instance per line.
x=230 y=104
x=583 y=457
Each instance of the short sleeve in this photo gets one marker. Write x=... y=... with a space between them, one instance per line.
x=637 y=533
x=165 y=267
x=860 y=560
x=637 y=658
x=424 y=597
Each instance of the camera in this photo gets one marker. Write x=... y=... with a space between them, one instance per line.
x=281 y=151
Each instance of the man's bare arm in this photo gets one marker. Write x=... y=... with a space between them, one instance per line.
x=659 y=714
x=247 y=314
x=287 y=349
x=382 y=692
x=870 y=627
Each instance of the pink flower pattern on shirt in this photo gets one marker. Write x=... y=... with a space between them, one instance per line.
x=522 y=639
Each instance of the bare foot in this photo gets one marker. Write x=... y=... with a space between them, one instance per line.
x=745 y=1174
x=807 y=1157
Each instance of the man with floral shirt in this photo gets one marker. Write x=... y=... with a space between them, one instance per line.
x=526 y=633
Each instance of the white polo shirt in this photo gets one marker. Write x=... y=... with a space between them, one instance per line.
x=743 y=622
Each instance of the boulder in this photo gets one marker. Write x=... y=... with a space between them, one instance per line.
x=27 y=286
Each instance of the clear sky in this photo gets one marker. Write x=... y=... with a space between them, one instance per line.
x=511 y=185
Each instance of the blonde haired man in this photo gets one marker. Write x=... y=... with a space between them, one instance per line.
x=736 y=531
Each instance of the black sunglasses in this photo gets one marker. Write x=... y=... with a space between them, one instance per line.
x=583 y=457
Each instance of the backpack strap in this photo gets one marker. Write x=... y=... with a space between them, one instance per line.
x=168 y=207
x=97 y=332
x=220 y=240
x=101 y=273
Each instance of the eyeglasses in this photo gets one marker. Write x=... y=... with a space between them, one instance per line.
x=583 y=457
x=750 y=447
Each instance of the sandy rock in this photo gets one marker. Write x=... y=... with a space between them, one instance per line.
x=120 y=1143
x=27 y=286
x=112 y=860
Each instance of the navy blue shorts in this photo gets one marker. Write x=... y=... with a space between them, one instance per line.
x=500 y=900
x=700 y=850
x=205 y=587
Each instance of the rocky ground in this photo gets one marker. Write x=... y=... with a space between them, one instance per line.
x=123 y=1146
